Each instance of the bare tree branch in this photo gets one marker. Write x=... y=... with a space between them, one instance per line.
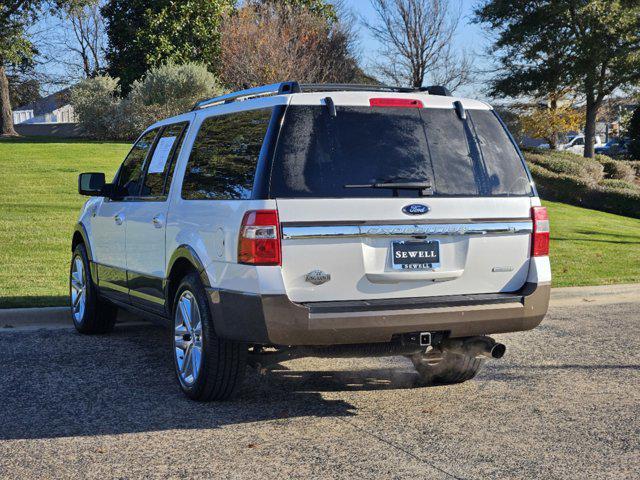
x=416 y=38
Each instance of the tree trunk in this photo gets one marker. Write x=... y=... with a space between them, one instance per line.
x=6 y=118
x=553 y=139
x=590 y=126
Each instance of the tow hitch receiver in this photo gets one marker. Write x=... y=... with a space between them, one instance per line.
x=425 y=339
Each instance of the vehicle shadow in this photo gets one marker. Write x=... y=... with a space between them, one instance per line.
x=57 y=383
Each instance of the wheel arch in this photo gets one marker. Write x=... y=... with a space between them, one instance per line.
x=80 y=236
x=183 y=261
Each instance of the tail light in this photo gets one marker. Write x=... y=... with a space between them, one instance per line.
x=259 y=242
x=540 y=238
x=395 y=103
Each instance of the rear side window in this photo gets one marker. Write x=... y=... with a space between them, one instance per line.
x=321 y=156
x=161 y=161
x=225 y=155
x=130 y=173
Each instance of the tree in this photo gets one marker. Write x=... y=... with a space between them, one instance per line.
x=316 y=7
x=417 y=42
x=23 y=89
x=633 y=132
x=265 y=42
x=84 y=36
x=15 y=50
x=549 y=123
x=146 y=33
x=590 y=45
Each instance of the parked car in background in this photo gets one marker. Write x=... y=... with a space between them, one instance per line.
x=614 y=148
x=575 y=144
x=317 y=220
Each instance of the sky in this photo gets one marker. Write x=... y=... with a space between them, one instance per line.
x=470 y=38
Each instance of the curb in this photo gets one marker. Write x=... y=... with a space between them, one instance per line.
x=621 y=293
x=34 y=317
x=45 y=317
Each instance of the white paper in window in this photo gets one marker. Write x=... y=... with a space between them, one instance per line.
x=161 y=154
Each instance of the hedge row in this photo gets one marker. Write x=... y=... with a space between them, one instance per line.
x=620 y=198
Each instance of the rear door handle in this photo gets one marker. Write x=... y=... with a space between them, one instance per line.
x=118 y=218
x=158 y=221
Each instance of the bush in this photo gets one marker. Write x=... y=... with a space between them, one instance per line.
x=609 y=197
x=568 y=164
x=635 y=164
x=165 y=91
x=614 y=183
x=615 y=169
x=96 y=103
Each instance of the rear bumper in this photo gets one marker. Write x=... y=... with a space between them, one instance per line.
x=274 y=319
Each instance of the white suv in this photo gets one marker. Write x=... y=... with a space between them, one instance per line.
x=317 y=220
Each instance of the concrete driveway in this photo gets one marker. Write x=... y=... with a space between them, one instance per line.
x=563 y=403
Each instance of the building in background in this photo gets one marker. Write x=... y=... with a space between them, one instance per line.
x=54 y=108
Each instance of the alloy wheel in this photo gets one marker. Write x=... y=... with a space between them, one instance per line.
x=78 y=289
x=188 y=338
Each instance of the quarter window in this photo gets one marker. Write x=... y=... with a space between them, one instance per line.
x=130 y=173
x=225 y=155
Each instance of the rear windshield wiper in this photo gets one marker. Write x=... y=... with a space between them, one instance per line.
x=425 y=188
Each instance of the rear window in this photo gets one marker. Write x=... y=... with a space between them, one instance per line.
x=319 y=155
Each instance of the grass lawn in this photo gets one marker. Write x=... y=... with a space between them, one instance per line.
x=589 y=247
x=39 y=205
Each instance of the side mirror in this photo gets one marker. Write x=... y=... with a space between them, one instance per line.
x=91 y=184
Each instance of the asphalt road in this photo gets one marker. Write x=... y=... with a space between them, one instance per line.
x=563 y=403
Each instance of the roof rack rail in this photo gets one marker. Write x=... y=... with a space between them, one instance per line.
x=351 y=87
x=273 y=89
x=295 y=87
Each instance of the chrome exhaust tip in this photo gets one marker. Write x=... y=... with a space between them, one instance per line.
x=498 y=350
x=480 y=346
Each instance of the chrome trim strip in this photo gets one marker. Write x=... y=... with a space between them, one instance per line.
x=414 y=230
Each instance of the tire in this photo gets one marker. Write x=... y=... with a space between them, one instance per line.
x=90 y=314
x=207 y=367
x=452 y=368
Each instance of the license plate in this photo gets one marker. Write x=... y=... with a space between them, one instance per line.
x=416 y=255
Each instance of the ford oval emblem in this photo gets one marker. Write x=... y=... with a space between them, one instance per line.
x=415 y=209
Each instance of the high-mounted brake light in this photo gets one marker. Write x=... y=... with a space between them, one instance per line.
x=395 y=103
x=259 y=242
x=540 y=237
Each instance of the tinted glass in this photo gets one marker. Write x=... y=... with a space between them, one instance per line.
x=224 y=157
x=130 y=173
x=454 y=163
x=318 y=155
x=161 y=160
x=504 y=172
